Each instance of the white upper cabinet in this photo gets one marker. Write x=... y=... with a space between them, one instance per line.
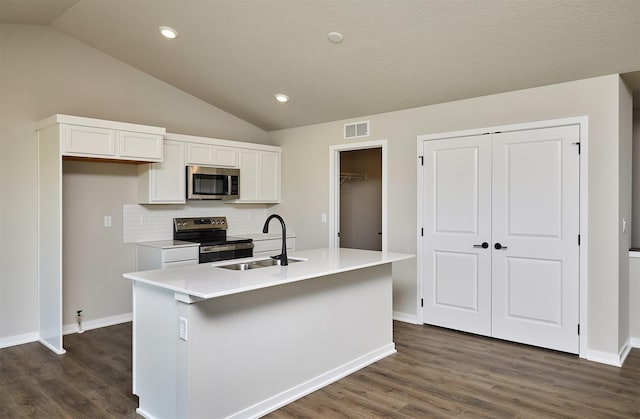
x=259 y=165
x=212 y=155
x=100 y=139
x=164 y=183
x=88 y=141
x=259 y=176
x=140 y=146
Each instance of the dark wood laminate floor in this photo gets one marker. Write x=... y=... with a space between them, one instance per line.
x=436 y=373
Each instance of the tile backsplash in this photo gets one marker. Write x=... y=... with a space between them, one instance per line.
x=143 y=223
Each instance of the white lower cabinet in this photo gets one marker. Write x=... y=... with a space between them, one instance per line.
x=271 y=247
x=160 y=255
x=164 y=183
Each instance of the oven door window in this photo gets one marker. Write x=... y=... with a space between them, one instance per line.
x=210 y=184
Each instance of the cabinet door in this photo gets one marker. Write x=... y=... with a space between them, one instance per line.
x=225 y=156
x=88 y=141
x=164 y=183
x=199 y=153
x=167 y=179
x=249 y=175
x=272 y=245
x=212 y=155
x=269 y=176
x=139 y=146
x=259 y=176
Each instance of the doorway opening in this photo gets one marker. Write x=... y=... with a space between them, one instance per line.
x=358 y=190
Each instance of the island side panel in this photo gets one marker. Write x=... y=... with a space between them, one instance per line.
x=253 y=352
x=155 y=333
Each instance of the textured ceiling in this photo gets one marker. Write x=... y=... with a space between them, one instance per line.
x=396 y=54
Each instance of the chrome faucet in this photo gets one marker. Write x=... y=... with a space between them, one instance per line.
x=282 y=257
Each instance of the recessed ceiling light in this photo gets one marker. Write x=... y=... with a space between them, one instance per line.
x=168 y=32
x=282 y=98
x=335 y=37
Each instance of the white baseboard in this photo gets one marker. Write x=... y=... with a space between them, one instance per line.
x=405 y=317
x=97 y=323
x=55 y=350
x=286 y=397
x=66 y=330
x=18 y=339
x=609 y=358
x=635 y=342
x=624 y=351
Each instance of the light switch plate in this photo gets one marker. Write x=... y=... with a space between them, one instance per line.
x=107 y=221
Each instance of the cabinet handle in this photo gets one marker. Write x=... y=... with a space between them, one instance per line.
x=498 y=246
x=484 y=245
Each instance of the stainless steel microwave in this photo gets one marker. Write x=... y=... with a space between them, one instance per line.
x=205 y=182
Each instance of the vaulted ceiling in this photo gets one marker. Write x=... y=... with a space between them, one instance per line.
x=396 y=54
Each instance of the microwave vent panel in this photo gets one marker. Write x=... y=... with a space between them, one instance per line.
x=356 y=130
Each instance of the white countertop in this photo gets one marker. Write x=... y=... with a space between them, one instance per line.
x=208 y=280
x=168 y=244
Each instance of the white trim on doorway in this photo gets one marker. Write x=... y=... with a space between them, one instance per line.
x=334 y=190
x=583 y=123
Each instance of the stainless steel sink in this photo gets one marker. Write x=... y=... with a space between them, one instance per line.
x=262 y=263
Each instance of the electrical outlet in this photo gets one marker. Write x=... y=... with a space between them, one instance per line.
x=624 y=225
x=143 y=220
x=107 y=221
x=324 y=218
x=183 y=328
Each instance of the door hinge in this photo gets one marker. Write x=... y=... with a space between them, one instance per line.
x=421 y=160
x=422 y=302
x=578 y=240
x=578 y=328
x=422 y=232
x=578 y=144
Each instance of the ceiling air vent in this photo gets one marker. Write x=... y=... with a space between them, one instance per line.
x=356 y=129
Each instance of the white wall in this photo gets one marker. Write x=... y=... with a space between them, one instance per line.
x=93 y=256
x=634 y=299
x=625 y=136
x=305 y=179
x=635 y=237
x=43 y=72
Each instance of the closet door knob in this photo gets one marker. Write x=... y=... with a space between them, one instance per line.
x=484 y=245
x=498 y=246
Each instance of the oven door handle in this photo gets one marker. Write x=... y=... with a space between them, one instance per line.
x=222 y=248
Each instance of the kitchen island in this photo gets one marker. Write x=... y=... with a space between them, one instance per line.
x=215 y=342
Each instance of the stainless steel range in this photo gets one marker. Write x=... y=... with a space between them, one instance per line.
x=211 y=233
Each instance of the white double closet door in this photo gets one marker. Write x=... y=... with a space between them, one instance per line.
x=501 y=225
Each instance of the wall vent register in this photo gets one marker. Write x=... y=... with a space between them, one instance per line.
x=356 y=129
